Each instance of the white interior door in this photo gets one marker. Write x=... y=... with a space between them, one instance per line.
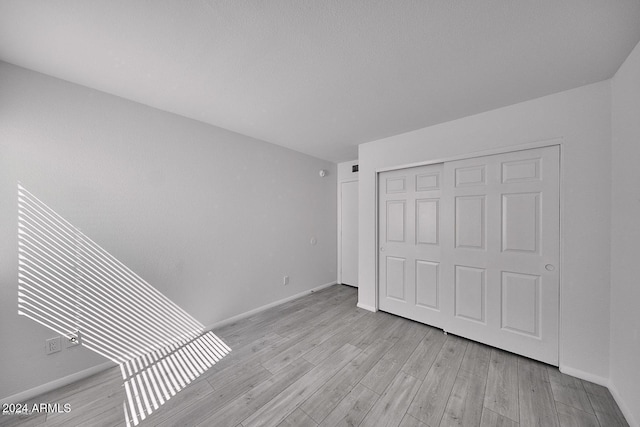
x=409 y=236
x=503 y=254
x=349 y=233
x=498 y=265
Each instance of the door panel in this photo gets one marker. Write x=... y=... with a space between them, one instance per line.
x=521 y=303
x=349 y=233
x=396 y=184
x=395 y=278
x=470 y=175
x=395 y=220
x=521 y=170
x=427 y=221
x=427 y=283
x=470 y=293
x=428 y=181
x=470 y=222
x=475 y=236
x=521 y=222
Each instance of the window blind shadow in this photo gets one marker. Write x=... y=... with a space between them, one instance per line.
x=71 y=285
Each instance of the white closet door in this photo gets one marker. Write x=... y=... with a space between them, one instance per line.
x=349 y=233
x=409 y=236
x=502 y=254
x=492 y=273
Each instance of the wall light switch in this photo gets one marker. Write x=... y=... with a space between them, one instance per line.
x=285 y=280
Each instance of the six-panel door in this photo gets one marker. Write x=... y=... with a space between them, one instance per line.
x=409 y=235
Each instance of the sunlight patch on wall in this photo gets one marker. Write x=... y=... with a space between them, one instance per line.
x=71 y=285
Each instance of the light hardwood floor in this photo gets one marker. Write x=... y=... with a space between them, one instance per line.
x=320 y=361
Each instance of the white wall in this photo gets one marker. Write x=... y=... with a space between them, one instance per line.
x=345 y=173
x=581 y=117
x=625 y=235
x=211 y=218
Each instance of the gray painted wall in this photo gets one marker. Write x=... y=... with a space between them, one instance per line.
x=625 y=235
x=210 y=218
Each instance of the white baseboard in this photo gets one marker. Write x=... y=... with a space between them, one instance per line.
x=267 y=306
x=626 y=411
x=60 y=382
x=605 y=382
x=366 y=307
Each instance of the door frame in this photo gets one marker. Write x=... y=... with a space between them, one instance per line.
x=559 y=142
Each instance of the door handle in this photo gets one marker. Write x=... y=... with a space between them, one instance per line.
x=550 y=267
x=381 y=248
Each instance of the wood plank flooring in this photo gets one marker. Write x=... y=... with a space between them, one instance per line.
x=320 y=361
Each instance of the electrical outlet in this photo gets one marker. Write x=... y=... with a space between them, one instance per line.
x=285 y=280
x=53 y=345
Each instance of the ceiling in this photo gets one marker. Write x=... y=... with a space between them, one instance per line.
x=322 y=76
